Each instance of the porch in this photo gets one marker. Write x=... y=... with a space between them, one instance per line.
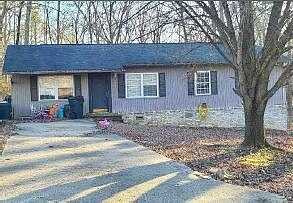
x=37 y=91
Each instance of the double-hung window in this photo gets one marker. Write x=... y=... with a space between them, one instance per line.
x=55 y=87
x=139 y=85
x=203 y=82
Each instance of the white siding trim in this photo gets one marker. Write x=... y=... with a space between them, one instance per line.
x=210 y=83
x=141 y=85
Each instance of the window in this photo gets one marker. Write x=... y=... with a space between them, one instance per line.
x=203 y=82
x=142 y=85
x=55 y=87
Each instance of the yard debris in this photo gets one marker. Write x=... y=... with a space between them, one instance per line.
x=217 y=152
x=261 y=158
x=221 y=173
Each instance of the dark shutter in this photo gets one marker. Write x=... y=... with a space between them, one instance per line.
x=121 y=85
x=162 y=85
x=190 y=83
x=34 y=88
x=77 y=85
x=214 y=83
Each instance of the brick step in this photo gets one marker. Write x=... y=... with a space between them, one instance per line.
x=100 y=110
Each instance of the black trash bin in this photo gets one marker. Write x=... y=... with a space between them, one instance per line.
x=5 y=110
x=76 y=107
x=8 y=99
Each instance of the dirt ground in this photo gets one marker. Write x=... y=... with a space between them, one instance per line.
x=217 y=152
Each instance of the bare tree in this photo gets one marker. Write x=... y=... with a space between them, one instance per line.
x=27 y=22
x=113 y=19
x=3 y=12
x=90 y=29
x=58 y=22
x=85 y=22
x=19 y=22
x=252 y=67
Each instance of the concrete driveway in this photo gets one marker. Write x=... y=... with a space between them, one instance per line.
x=65 y=162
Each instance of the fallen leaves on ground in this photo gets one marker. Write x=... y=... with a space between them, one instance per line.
x=260 y=158
x=217 y=152
x=6 y=130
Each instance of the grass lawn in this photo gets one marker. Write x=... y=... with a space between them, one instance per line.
x=217 y=152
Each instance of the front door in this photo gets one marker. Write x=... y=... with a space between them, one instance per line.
x=100 y=91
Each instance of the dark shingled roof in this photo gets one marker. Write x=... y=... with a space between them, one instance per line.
x=105 y=57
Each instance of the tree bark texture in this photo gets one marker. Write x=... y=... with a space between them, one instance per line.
x=58 y=22
x=18 y=22
x=27 y=22
x=254 y=126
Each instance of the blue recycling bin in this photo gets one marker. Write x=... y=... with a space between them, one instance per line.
x=5 y=111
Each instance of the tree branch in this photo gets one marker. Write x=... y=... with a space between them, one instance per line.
x=283 y=79
x=186 y=8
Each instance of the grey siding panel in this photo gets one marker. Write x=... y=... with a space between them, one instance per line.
x=21 y=95
x=85 y=92
x=176 y=93
x=280 y=97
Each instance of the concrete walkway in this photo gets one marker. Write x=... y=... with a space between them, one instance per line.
x=65 y=162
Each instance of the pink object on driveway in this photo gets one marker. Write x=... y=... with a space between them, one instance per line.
x=104 y=124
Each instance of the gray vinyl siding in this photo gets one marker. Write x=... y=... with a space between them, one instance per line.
x=21 y=96
x=85 y=92
x=177 y=97
x=280 y=97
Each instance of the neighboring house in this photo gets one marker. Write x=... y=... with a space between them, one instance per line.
x=123 y=77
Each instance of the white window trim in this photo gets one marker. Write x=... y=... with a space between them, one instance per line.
x=56 y=94
x=210 y=83
x=141 y=86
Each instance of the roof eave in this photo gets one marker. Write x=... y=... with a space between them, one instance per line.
x=108 y=70
x=58 y=72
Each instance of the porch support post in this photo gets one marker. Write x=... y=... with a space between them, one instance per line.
x=289 y=98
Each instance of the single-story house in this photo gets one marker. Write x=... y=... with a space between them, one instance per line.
x=123 y=78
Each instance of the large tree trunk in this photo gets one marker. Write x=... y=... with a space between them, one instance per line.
x=254 y=126
x=27 y=22
x=2 y=16
x=90 y=29
x=18 y=22
x=58 y=22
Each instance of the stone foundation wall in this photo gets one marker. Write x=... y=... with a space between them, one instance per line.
x=275 y=118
